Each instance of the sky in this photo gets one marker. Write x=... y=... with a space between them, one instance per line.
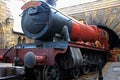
x=15 y=8
x=66 y=3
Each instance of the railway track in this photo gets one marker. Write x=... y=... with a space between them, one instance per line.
x=89 y=76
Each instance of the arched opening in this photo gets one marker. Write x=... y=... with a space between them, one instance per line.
x=24 y=40
x=19 y=40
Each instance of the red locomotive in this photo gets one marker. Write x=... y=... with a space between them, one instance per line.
x=62 y=45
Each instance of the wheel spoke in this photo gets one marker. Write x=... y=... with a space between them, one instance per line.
x=86 y=69
x=75 y=72
x=51 y=72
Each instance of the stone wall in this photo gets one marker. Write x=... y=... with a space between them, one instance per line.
x=9 y=38
x=104 y=12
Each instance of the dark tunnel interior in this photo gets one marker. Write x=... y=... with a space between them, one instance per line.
x=114 y=40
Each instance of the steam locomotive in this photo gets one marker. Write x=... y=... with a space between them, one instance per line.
x=61 y=45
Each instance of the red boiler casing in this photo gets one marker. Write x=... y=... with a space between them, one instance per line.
x=83 y=32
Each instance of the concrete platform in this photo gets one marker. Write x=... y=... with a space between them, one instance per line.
x=9 y=72
x=111 y=71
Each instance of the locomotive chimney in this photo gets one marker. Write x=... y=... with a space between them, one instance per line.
x=51 y=2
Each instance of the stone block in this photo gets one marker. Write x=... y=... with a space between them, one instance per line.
x=116 y=21
x=100 y=15
x=117 y=28
x=110 y=20
x=115 y=10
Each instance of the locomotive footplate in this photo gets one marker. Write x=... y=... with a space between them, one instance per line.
x=8 y=71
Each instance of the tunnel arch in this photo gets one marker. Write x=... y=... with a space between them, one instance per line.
x=114 y=40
